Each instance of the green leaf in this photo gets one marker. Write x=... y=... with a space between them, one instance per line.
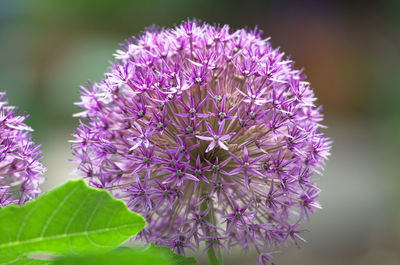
x=131 y=257
x=178 y=259
x=71 y=219
x=27 y=261
x=150 y=255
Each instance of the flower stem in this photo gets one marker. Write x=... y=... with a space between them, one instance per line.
x=213 y=258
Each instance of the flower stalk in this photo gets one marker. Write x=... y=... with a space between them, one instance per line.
x=213 y=258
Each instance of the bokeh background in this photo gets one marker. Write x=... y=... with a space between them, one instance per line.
x=350 y=52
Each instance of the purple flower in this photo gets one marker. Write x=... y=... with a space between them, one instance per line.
x=216 y=138
x=20 y=169
x=209 y=133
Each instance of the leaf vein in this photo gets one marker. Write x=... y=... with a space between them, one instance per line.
x=59 y=206
x=62 y=236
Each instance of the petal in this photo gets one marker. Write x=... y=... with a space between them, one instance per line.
x=169 y=180
x=209 y=129
x=235 y=158
x=245 y=154
x=225 y=137
x=198 y=163
x=221 y=127
x=210 y=146
x=236 y=171
x=205 y=138
x=136 y=145
x=223 y=146
x=190 y=176
x=201 y=103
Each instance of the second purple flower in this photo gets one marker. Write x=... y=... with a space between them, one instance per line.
x=20 y=167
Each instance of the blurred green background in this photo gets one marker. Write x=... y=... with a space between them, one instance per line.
x=350 y=52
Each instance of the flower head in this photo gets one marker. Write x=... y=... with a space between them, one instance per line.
x=20 y=169
x=209 y=133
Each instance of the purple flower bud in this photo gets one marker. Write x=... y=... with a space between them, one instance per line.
x=20 y=169
x=209 y=133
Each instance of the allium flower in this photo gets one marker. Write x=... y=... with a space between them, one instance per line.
x=209 y=133
x=20 y=169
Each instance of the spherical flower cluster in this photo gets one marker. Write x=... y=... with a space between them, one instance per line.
x=20 y=169
x=210 y=134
